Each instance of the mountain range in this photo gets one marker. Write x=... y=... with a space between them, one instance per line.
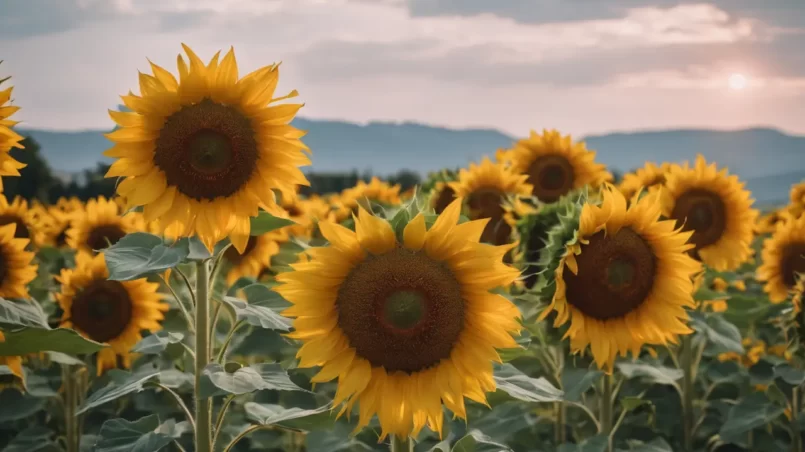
x=768 y=160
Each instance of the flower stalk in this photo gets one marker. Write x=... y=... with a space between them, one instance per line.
x=203 y=405
x=687 y=363
x=400 y=444
x=606 y=409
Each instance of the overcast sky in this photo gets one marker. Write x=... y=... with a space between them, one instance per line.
x=584 y=66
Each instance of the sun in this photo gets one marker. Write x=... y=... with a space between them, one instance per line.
x=737 y=81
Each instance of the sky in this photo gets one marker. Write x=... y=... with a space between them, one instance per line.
x=583 y=66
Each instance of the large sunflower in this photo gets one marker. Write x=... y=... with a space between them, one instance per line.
x=403 y=325
x=716 y=208
x=16 y=268
x=783 y=258
x=253 y=260
x=107 y=311
x=624 y=280
x=100 y=225
x=18 y=213
x=8 y=138
x=376 y=191
x=650 y=176
x=555 y=165
x=486 y=188
x=206 y=151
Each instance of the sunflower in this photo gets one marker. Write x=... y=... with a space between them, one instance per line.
x=18 y=213
x=487 y=187
x=650 y=176
x=376 y=191
x=8 y=138
x=206 y=151
x=716 y=208
x=798 y=193
x=555 y=165
x=68 y=205
x=798 y=294
x=58 y=222
x=101 y=225
x=624 y=280
x=16 y=267
x=441 y=196
x=253 y=260
x=783 y=258
x=403 y=325
x=16 y=376
x=107 y=311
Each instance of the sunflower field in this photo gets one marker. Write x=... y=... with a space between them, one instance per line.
x=527 y=302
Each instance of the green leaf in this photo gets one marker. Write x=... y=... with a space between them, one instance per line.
x=755 y=410
x=522 y=387
x=296 y=418
x=259 y=294
x=157 y=343
x=476 y=441
x=61 y=358
x=337 y=439
x=655 y=445
x=258 y=315
x=762 y=372
x=35 y=340
x=33 y=439
x=265 y=222
x=174 y=378
x=597 y=443
x=15 y=405
x=14 y=315
x=631 y=403
x=143 y=435
x=139 y=254
x=196 y=250
x=505 y=420
x=723 y=335
x=217 y=381
x=577 y=381
x=790 y=375
x=122 y=383
x=655 y=374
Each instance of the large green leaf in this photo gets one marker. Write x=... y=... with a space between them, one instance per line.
x=260 y=294
x=217 y=381
x=337 y=439
x=655 y=445
x=139 y=254
x=655 y=374
x=143 y=435
x=321 y=418
x=577 y=381
x=157 y=343
x=34 y=439
x=597 y=443
x=13 y=315
x=15 y=405
x=258 y=315
x=753 y=411
x=265 y=222
x=34 y=340
x=789 y=374
x=476 y=441
x=522 y=387
x=505 y=420
x=122 y=383
x=722 y=335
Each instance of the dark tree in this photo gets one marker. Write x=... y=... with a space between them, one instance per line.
x=36 y=180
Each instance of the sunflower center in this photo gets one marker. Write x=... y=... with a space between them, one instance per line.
x=102 y=310
x=793 y=262
x=446 y=196
x=102 y=236
x=22 y=231
x=61 y=239
x=702 y=212
x=3 y=267
x=207 y=150
x=488 y=203
x=404 y=309
x=233 y=256
x=294 y=211
x=401 y=310
x=615 y=275
x=552 y=177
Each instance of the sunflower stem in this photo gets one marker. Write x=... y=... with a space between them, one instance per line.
x=560 y=409
x=796 y=435
x=687 y=363
x=400 y=444
x=202 y=358
x=605 y=409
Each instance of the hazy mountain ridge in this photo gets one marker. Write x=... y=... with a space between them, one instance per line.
x=768 y=160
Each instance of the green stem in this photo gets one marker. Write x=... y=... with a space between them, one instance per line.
x=686 y=362
x=605 y=409
x=202 y=358
x=560 y=410
x=219 y=423
x=70 y=400
x=182 y=307
x=401 y=444
x=796 y=435
x=178 y=400
x=225 y=345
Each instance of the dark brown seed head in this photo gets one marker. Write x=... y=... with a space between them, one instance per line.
x=793 y=262
x=22 y=231
x=702 y=212
x=102 y=310
x=102 y=236
x=552 y=177
x=446 y=196
x=232 y=256
x=488 y=203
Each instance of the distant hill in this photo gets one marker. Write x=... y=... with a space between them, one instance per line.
x=768 y=160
